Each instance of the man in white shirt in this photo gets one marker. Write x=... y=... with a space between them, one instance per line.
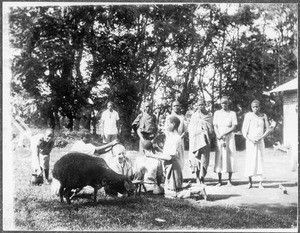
x=84 y=145
x=109 y=123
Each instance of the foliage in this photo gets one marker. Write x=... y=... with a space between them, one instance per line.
x=69 y=55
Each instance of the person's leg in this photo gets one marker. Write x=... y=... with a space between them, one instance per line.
x=260 y=185
x=204 y=163
x=229 y=183
x=110 y=138
x=46 y=174
x=46 y=165
x=220 y=179
x=198 y=179
x=105 y=138
x=250 y=182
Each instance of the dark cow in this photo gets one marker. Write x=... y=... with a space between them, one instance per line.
x=76 y=170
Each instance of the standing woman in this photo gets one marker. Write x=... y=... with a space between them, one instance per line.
x=200 y=131
x=255 y=128
x=225 y=122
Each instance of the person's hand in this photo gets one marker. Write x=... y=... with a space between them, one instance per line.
x=219 y=136
x=252 y=140
x=257 y=140
x=39 y=171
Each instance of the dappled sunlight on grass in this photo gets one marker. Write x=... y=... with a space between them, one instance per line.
x=36 y=209
x=44 y=212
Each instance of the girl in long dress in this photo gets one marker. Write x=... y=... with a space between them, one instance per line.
x=255 y=128
x=225 y=122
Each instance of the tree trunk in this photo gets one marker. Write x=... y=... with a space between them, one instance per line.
x=57 y=120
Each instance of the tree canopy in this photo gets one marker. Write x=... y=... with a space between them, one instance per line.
x=75 y=57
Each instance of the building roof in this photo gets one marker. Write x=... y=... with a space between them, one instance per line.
x=291 y=85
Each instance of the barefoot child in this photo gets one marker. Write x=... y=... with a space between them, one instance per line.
x=173 y=171
x=255 y=129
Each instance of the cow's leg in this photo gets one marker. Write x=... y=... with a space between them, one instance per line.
x=75 y=193
x=95 y=193
x=61 y=193
x=68 y=194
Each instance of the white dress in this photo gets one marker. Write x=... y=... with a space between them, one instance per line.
x=224 y=157
x=254 y=127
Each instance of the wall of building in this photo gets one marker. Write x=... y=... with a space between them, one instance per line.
x=290 y=121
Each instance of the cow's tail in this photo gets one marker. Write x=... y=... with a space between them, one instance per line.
x=55 y=186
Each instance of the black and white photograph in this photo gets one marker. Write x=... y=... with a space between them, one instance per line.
x=150 y=116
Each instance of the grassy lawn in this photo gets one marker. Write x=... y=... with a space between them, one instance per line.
x=36 y=209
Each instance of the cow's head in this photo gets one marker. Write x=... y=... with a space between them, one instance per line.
x=122 y=186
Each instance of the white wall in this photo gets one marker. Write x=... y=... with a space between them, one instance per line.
x=290 y=126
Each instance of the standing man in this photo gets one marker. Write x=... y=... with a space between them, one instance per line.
x=182 y=128
x=109 y=124
x=146 y=125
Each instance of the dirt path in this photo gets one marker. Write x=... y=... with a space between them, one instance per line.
x=270 y=200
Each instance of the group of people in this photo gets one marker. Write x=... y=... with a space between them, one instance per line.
x=200 y=130
x=165 y=165
x=223 y=123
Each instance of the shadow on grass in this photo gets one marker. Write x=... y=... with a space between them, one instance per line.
x=287 y=211
x=267 y=184
x=217 y=197
x=146 y=212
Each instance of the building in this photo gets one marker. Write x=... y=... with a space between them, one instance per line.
x=290 y=115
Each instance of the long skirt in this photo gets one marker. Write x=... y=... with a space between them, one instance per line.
x=254 y=158
x=225 y=155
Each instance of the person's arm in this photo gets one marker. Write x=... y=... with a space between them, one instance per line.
x=268 y=129
x=233 y=126
x=156 y=128
x=139 y=133
x=101 y=123
x=118 y=126
x=118 y=123
x=160 y=156
x=36 y=157
x=105 y=148
x=231 y=129
x=217 y=132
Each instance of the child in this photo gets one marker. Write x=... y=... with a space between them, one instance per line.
x=173 y=171
x=149 y=169
x=84 y=145
x=41 y=146
x=255 y=129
